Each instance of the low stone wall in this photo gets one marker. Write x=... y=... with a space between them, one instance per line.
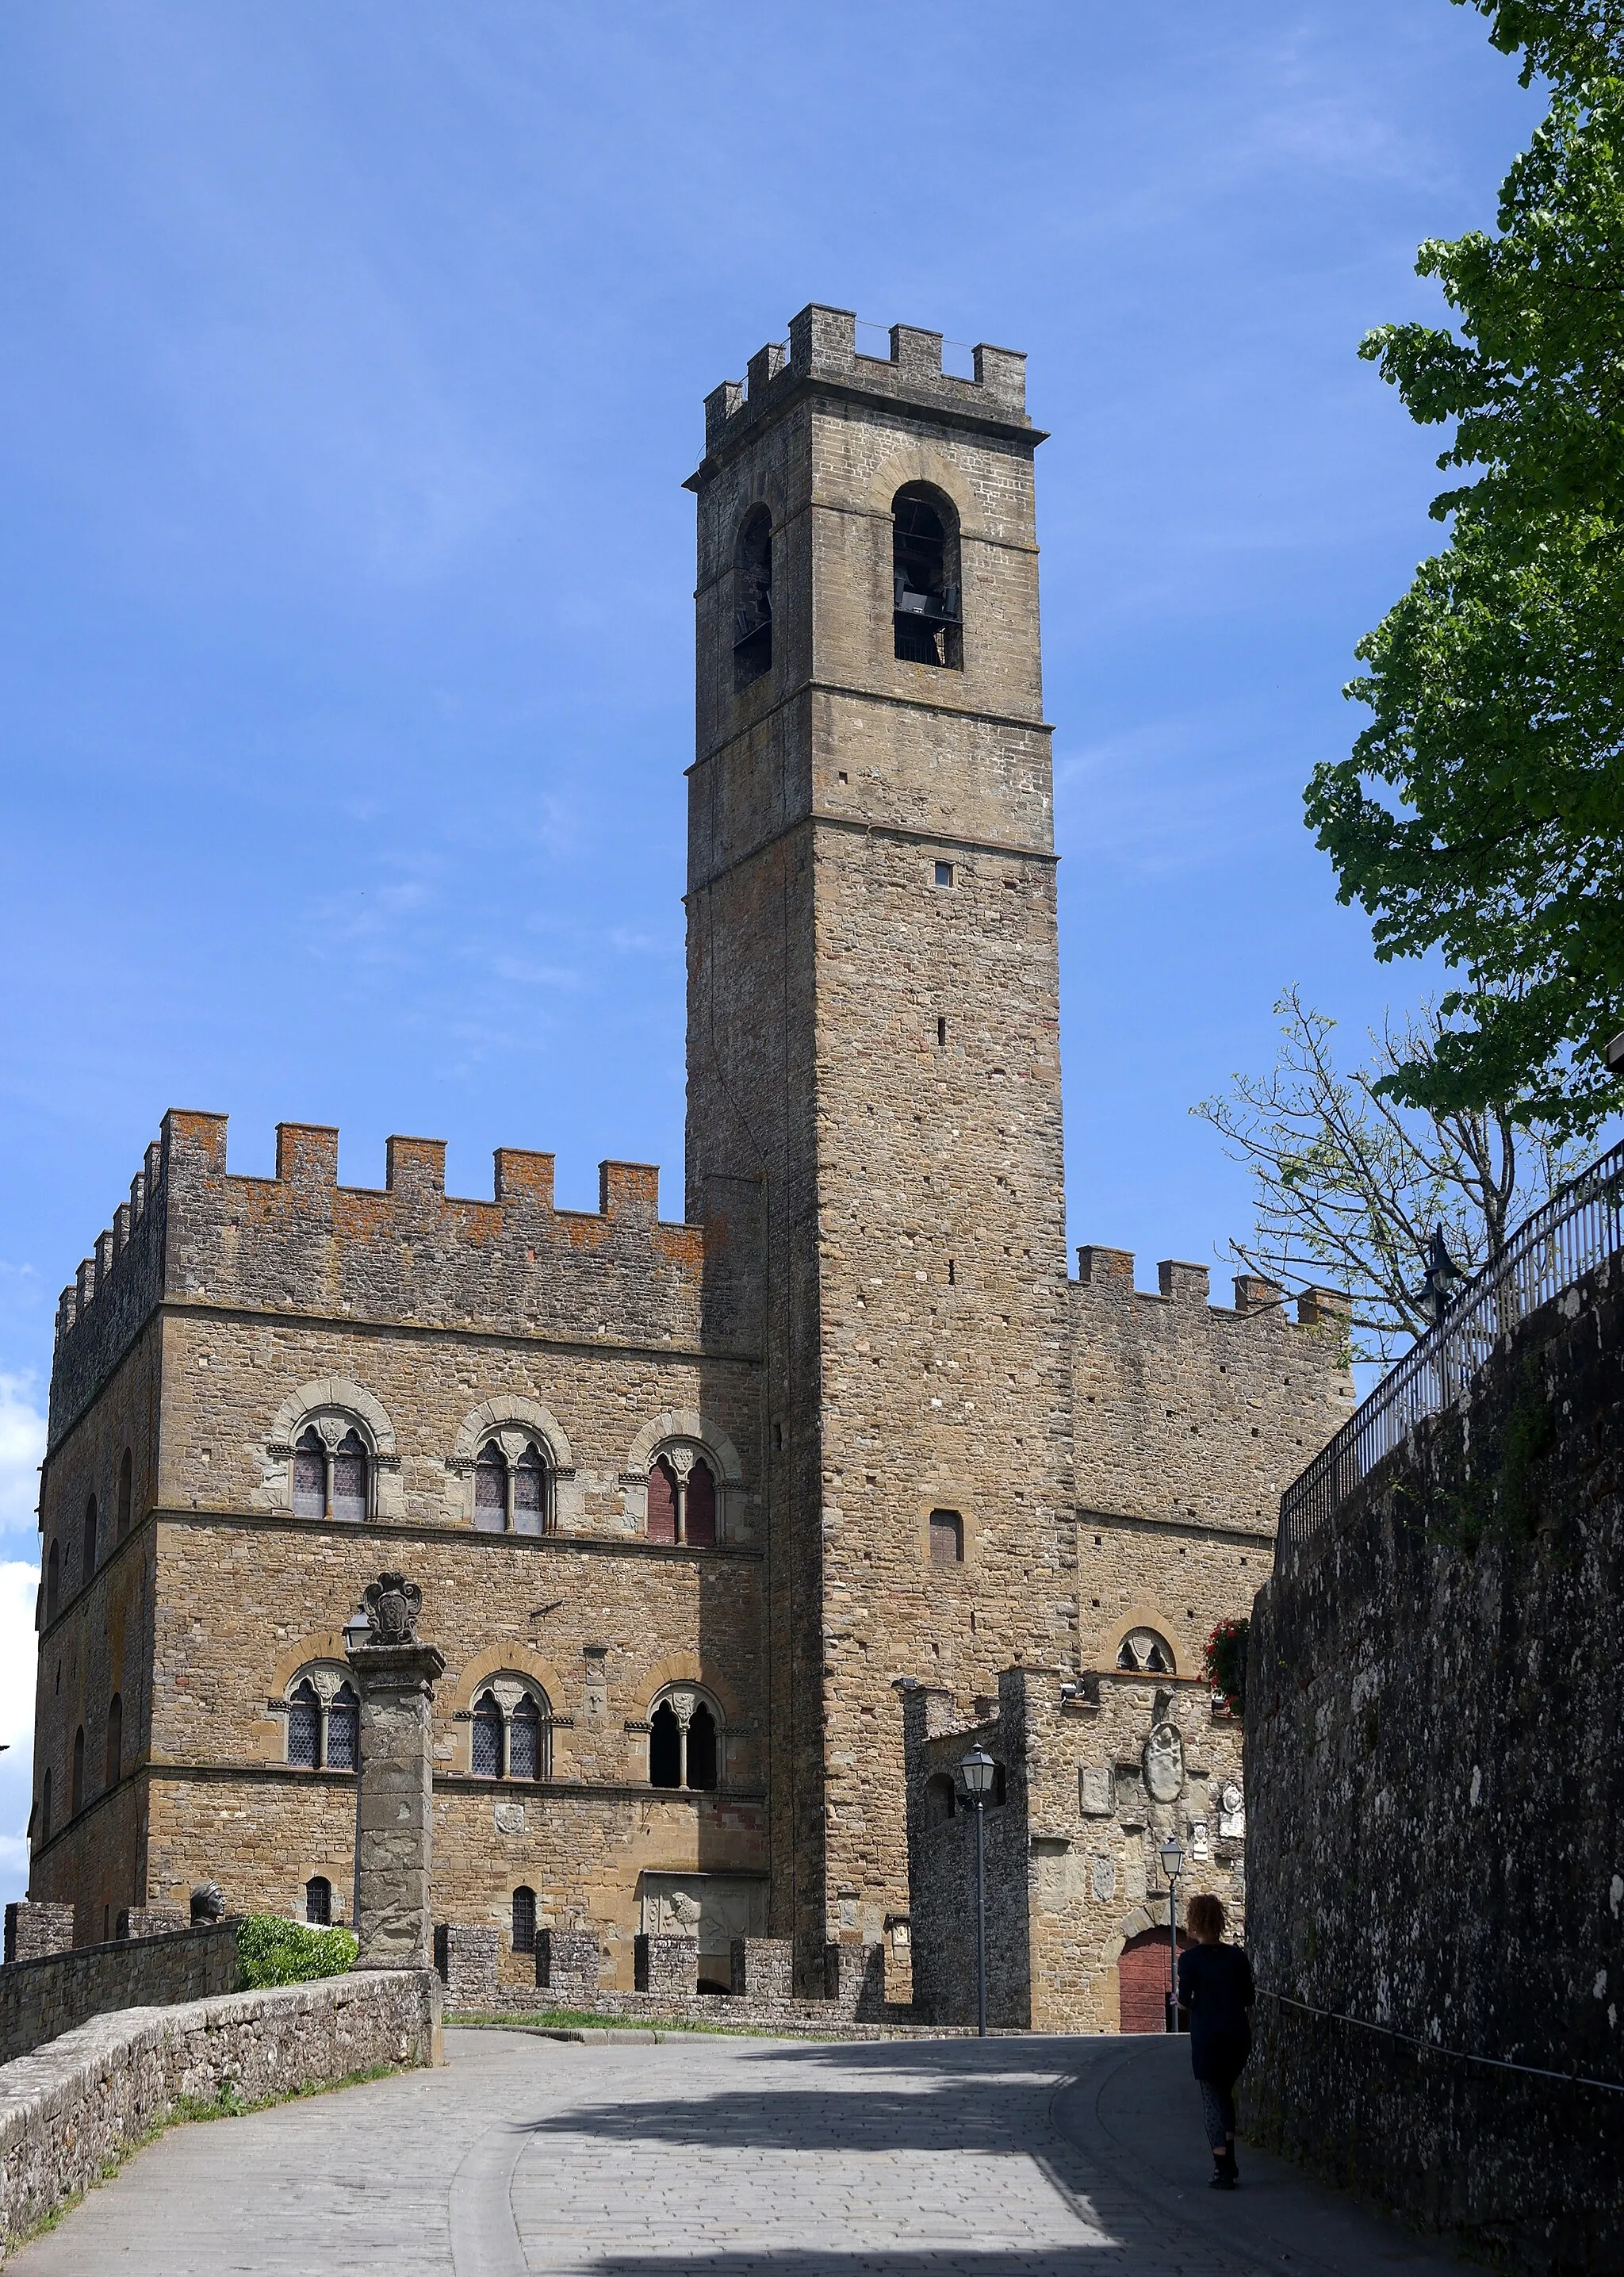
x=1436 y=1892
x=790 y=2019
x=71 y=2108
x=41 y=1999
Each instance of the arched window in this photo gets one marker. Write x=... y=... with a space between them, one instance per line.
x=682 y=1499
x=753 y=598
x=510 y=1481
x=1144 y=1649
x=946 y=1537
x=53 y=1582
x=319 y=1901
x=941 y=1799
x=924 y=564
x=127 y=1492
x=685 y=1741
x=304 y=1727
x=45 y=1808
x=78 y=1802
x=524 y=1919
x=344 y=1730
x=115 y=1739
x=513 y=1725
x=332 y=1472
x=486 y=1737
x=88 y=1559
x=324 y=1720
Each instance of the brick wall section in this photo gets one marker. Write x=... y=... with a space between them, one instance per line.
x=41 y=1999
x=69 y=2111
x=1438 y=1789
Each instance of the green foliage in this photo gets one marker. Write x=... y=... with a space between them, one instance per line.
x=1224 y=1659
x=272 y=1951
x=1482 y=811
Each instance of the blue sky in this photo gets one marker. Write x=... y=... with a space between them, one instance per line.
x=351 y=360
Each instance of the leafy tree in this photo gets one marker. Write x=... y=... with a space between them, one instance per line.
x=1349 y=1183
x=1482 y=811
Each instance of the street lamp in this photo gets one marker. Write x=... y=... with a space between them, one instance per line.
x=978 y=1771
x=357 y=1629
x=1443 y=1281
x=1171 y=1854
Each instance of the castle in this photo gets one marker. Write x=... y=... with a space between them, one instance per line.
x=687 y=1501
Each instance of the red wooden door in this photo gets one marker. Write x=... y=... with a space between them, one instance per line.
x=1144 y=1975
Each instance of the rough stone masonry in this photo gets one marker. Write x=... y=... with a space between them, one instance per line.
x=684 y=1499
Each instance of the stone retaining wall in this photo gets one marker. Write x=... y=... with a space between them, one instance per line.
x=41 y=1999
x=1436 y=1789
x=68 y=2110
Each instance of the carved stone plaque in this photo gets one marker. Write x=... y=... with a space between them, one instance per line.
x=510 y=1818
x=1094 y=1790
x=1165 y=1763
x=1104 y=1880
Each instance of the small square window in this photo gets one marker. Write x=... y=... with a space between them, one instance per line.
x=944 y=873
x=946 y=1538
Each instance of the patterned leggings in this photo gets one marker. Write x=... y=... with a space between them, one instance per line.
x=1217 y=2109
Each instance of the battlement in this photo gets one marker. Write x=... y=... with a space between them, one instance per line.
x=301 y=1243
x=1110 y=1274
x=821 y=347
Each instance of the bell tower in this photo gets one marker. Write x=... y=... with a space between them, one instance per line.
x=873 y=1042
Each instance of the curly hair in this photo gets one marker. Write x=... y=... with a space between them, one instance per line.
x=1205 y=1915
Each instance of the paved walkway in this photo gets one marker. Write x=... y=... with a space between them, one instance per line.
x=1010 y=2158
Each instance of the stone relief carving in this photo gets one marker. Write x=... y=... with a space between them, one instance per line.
x=1094 y=1790
x=716 y=1908
x=1164 y=1761
x=1105 y=1879
x=393 y=1605
x=510 y=1818
x=1231 y=1812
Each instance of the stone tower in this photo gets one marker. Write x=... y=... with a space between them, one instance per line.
x=874 y=1044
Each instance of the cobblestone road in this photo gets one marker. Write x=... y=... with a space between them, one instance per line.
x=730 y=2158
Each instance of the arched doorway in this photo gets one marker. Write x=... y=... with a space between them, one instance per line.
x=1142 y=1974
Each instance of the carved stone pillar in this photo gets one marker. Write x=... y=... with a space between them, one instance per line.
x=395 y=1676
x=682 y=1460
x=682 y=1705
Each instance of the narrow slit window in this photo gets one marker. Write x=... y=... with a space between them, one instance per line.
x=941 y=1029
x=524 y=1919
x=946 y=1537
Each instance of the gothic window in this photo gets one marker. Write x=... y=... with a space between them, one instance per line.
x=324 y=1720
x=924 y=564
x=1145 y=1649
x=78 y=1802
x=486 y=1737
x=127 y=1492
x=332 y=1472
x=524 y=1919
x=685 y=1741
x=304 y=1727
x=115 y=1739
x=512 y=1729
x=946 y=1538
x=53 y=1582
x=511 y=1482
x=344 y=1730
x=753 y=598
x=682 y=1499
x=319 y=1901
x=941 y=1800
x=88 y=1563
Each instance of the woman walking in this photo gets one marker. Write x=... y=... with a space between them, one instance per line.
x=1215 y=1985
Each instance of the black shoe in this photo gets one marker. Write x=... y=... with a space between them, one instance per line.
x=1222 y=2179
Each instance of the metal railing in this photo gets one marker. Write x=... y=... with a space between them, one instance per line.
x=1580 y=1227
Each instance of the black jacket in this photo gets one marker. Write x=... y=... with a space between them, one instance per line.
x=1215 y=1985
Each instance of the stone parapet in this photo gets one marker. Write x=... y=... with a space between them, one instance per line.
x=467 y=1958
x=54 y=1992
x=568 y=1962
x=71 y=2109
x=763 y=1967
x=152 y=1920
x=34 y=1930
x=668 y=1967
x=855 y=1979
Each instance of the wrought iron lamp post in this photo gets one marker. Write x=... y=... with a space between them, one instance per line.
x=978 y=1771
x=1171 y=1854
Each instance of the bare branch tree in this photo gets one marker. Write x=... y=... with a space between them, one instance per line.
x=1350 y=1184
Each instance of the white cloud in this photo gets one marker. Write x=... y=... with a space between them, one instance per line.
x=22 y=1448
x=19 y=1588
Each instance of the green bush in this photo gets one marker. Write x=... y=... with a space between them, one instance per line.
x=272 y=1951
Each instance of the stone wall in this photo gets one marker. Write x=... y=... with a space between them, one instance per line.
x=1096 y=1774
x=69 y=2109
x=41 y=1999
x=1436 y=1704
